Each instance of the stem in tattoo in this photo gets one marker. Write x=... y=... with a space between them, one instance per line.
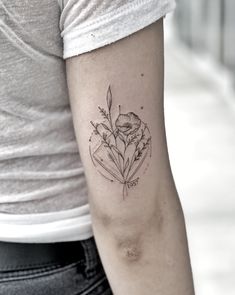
x=104 y=139
x=109 y=104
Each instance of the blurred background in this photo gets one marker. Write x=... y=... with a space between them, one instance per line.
x=200 y=127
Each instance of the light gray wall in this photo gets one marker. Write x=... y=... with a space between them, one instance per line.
x=208 y=26
x=229 y=34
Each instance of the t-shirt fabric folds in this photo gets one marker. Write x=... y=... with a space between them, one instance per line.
x=43 y=190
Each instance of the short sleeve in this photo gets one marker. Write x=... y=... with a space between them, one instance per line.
x=86 y=25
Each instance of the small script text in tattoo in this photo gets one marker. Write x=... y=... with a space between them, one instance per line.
x=120 y=146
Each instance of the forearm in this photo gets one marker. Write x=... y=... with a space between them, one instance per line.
x=147 y=258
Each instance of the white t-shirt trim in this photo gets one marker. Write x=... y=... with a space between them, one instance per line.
x=115 y=25
x=68 y=225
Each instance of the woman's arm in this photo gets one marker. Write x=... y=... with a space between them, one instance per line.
x=116 y=95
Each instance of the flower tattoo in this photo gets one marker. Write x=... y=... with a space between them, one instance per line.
x=128 y=123
x=119 y=148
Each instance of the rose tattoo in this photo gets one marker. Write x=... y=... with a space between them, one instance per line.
x=119 y=148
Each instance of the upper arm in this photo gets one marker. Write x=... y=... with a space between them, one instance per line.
x=116 y=95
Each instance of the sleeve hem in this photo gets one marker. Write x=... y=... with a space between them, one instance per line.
x=114 y=26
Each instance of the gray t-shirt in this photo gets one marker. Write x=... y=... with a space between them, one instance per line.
x=40 y=166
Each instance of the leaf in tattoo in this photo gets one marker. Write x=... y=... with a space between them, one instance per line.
x=119 y=148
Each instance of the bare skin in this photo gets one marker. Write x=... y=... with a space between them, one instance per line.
x=116 y=95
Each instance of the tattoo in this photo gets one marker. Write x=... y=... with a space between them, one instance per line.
x=120 y=148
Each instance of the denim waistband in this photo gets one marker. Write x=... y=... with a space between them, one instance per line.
x=16 y=256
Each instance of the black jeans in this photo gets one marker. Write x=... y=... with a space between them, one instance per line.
x=85 y=276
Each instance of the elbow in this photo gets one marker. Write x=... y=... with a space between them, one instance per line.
x=134 y=240
x=130 y=236
x=130 y=248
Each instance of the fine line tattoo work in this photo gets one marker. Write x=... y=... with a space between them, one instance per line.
x=120 y=148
